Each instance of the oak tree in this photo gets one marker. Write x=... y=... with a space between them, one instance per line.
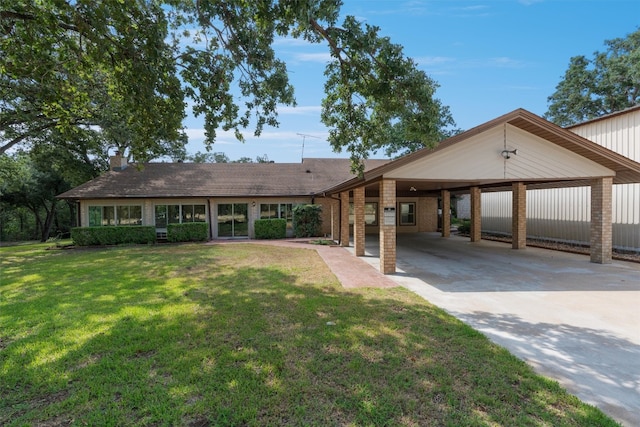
x=131 y=69
x=591 y=88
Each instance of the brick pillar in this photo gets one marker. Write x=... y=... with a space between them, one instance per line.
x=601 y=229
x=387 y=231
x=476 y=215
x=358 y=221
x=446 y=217
x=335 y=221
x=344 y=218
x=519 y=216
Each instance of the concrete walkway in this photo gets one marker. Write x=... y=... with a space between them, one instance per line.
x=572 y=320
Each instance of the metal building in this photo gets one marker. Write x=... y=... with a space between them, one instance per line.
x=563 y=214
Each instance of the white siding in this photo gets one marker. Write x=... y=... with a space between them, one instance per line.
x=619 y=133
x=564 y=214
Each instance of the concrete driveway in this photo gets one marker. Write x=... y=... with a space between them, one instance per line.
x=573 y=321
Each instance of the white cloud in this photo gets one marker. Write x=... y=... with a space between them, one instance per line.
x=290 y=41
x=529 y=2
x=428 y=61
x=322 y=57
x=504 y=62
x=473 y=8
x=308 y=109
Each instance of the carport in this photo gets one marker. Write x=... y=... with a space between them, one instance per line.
x=516 y=152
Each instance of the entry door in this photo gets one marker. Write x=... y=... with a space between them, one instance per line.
x=233 y=220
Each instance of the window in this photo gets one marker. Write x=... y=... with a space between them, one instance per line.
x=370 y=213
x=277 y=210
x=115 y=215
x=129 y=215
x=407 y=214
x=193 y=213
x=176 y=214
x=268 y=211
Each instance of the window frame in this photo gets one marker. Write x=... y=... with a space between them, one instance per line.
x=180 y=213
x=113 y=215
x=411 y=213
x=375 y=214
x=278 y=211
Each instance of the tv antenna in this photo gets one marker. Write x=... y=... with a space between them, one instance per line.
x=304 y=136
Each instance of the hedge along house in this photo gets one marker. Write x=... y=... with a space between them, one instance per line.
x=227 y=196
x=514 y=152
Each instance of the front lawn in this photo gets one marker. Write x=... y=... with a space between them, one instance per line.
x=244 y=334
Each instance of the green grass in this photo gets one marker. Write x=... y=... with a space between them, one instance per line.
x=239 y=334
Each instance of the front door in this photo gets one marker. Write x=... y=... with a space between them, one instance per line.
x=233 y=220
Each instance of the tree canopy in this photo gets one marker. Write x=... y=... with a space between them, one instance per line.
x=130 y=69
x=607 y=83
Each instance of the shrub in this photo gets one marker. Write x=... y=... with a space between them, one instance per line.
x=188 y=232
x=116 y=235
x=465 y=227
x=307 y=220
x=271 y=228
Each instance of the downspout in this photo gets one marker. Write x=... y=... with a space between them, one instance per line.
x=210 y=221
x=78 y=214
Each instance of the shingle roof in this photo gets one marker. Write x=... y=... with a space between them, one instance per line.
x=218 y=179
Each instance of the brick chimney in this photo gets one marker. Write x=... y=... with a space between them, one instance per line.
x=117 y=162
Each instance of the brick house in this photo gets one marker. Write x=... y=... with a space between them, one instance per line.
x=514 y=152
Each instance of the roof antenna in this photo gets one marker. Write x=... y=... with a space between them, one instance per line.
x=304 y=136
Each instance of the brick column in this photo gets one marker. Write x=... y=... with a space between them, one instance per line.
x=446 y=218
x=358 y=221
x=335 y=221
x=601 y=229
x=519 y=215
x=387 y=232
x=344 y=218
x=476 y=215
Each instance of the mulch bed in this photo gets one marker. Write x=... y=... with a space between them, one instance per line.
x=563 y=247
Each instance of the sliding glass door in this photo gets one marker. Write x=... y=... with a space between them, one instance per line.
x=233 y=220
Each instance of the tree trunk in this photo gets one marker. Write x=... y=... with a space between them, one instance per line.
x=48 y=222
x=38 y=222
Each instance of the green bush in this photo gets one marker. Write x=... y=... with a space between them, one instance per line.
x=188 y=232
x=307 y=220
x=465 y=227
x=275 y=228
x=116 y=235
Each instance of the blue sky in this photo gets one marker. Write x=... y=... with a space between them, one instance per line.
x=489 y=58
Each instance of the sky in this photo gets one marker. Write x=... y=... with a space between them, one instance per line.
x=488 y=58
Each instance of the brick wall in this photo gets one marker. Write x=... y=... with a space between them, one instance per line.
x=601 y=228
x=476 y=214
x=446 y=216
x=344 y=218
x=358 y=221
x=427 y=214
x=387 y=232
x=329 y=215
x=519 y=215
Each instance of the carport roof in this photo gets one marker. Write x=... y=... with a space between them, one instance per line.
x=567 y=158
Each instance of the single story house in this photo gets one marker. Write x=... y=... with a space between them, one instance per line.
x=515 y=152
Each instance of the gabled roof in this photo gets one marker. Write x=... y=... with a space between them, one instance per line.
x=606 y=116
x=531 y=129
x=173 y=180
